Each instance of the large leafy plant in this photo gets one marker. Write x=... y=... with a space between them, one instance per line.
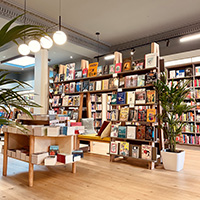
x=172 y=101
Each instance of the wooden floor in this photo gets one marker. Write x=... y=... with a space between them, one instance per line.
x=97 y=179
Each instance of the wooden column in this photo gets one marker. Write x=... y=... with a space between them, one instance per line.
x=80 y=110
x=31 y=166
x=5 y=156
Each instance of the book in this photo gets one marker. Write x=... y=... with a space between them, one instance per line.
x=121 y=98
x=197 y=70
x=114 y=147
x=122 y=82
x=114 y=114
x=124 y=149
x=130 y=98
x=151 y=78
x=118 y=67
x=139 y=66
x=151 y=60
x=99 y=70
x=133 y=115
x=78 y=74
x=66 y=88
x=131 y=81
x=111 y=69
x=60 y=90
x=135 y=151
x=140 y=132
x=140 y=96
x=113 y=83
x=146 y=152
x=53 y=150
x=106 y=69
x=141 y=80
x=62 y=77
x=189 y=71
x=149 y=134
x=131 y=132
x=91 y=86
x=75 y=115
x=70 y=71
x=124 y=113
x=92 y=71
x=114 y=131
x=78 y=87
x=114 y=99
x=151 y=115
x=151 y=96
x=85 y=72
x=126 y=64
x=180 y=73
x=105 y=84
x=70 y=101
x=98 y=85
x=142 y=115
x=57 y=78
x=85 y=86
x=172 y=73
x=122 y=131
x=72 y=87
x=76 y=100
x=55 y=101
x=65 y=100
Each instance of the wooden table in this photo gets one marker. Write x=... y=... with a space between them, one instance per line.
x=37 y=144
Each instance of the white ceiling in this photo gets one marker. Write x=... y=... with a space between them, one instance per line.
x=119 y=21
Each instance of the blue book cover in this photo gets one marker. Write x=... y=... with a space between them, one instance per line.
x=121 y=98
x=78 y=87
x=122 y=132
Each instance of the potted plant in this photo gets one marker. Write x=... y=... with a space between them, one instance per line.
x=171 y=99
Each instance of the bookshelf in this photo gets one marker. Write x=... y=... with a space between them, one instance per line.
x=190 y=135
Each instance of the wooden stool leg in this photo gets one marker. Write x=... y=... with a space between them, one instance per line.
x=5 y=156
x=31 y=166
x=91 y=146
x=74 y=168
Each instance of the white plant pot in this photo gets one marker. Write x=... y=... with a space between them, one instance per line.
x=173 y=161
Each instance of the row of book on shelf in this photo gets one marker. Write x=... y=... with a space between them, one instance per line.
x=188 y=139
x=130 y=150
x=68 y=72
x=191 y=128
x=71 y=114
x=96 y=115
x=67 y=100
x=138 y=113
x=181 y=73
x=111 y=83
x=140 y=132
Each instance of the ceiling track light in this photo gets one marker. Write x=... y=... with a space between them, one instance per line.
x=190 y=37
x=59 y=36
x=132 y=52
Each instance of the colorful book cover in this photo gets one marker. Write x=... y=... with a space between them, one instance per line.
x=146 y=152
x=151 y=60
x=139 y=66
x=92 y=71
x=114 y=131
x=70 y=71
x=124 y=114
x=111 y=69
x=56 y=89
x=113 y=83
x=67 y=88
x=53 y=150
x=56 y=101
x=78 y=87
x=140 y=132
x=131 y=132
x=151 y=115
x=149 y=135
x=57 y=78
x=142 y=115
x=122 y=82
x=72 y=87
x=70 y=101
x=127 y=64
x=105 y=84
x=114 y=99
x=118 y=67
x=62 y=77
x=114 y=147
x=85 y=87
x=140 y=96
x=121 y=98
x=60 y=91
x=151 y=96
x=85 y=72
x=133 y=115
x=75 y=115
x=130 y=98
x=65 y=100
x=91 y=86
x=98 y=85
x=106 y=69
x=124 y=149
x=135 y=151
x=99 y=70
x=78 y=74
x=114 y=114
x=151 y=78
x=122 y=131
x=76 y=100
x=131 y=81
x=141 y=80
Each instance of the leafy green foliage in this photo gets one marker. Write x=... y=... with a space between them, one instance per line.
x=172 y=101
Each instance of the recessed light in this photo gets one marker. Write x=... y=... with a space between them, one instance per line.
x=71 y=57
x=4 y=56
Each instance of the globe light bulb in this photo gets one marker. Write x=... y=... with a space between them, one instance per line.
x=59 y=37
x=46 y=42
x=23 y=49
x=34 y=46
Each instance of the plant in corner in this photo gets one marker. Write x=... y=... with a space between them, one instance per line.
x=171 y=99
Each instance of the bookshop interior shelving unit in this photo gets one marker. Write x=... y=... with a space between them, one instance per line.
x=36 y=144
x=191 y=132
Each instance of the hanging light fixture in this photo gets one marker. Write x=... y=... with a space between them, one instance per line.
x=59 y=36
x=46 y=42
x=34 y=46
x=24 y=48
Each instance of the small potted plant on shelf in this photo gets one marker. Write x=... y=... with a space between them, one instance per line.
x=171 y=98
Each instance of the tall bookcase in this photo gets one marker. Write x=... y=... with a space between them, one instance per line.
x=191 y=134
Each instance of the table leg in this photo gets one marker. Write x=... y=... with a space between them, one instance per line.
x=74 y=168
x=91 y=146
x=31 y=166
x=5 y=156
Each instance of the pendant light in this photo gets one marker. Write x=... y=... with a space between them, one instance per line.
x=34 y=46
x=59 y=36
x=24 y=48
x=46 y=42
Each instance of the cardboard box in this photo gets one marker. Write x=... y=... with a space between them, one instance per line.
x=50 y=160
x=53 y=131
x=38 y=158
x=64 y=158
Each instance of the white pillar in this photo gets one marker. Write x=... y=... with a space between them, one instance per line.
x=41 y=79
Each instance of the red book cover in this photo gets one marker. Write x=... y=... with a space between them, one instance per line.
x=84 y=72
x=75 y=123
x=140 y=132
x=118 y=67
x=61 y=158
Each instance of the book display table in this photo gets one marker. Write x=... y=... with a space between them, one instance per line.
x=36 y=144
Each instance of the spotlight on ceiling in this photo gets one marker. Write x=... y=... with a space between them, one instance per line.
x=109 y=57
x=132 y=52
x=167 y=43
x=190 y=37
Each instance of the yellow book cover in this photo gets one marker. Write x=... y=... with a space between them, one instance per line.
x=151 y=96
x=124 y=148
x=151 y=115
x=105 y=84
x=92 y=71
x=124 y=114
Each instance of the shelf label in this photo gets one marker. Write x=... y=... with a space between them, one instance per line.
x=119 y=90
x=114 y=75
x=131 y=105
